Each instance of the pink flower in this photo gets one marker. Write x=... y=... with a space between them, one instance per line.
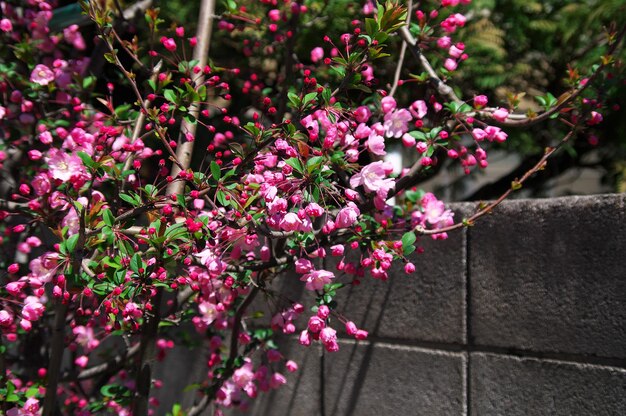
x=351 y=328
x=317 y=54
x=419 y=109
x=316 y=324
x=337 y=250
x=42 y=75
x=291 y=366
x=480 y=101
x=376 y=144
x=6 y=25
x=444 y=42
x=455 y=52
x=372 y=177
x=32 y=310
x=81 y=361
x=169 y=43
x=347 y=216
x=397 y=123
x=63 y=166
x=290 y=222
x=450 y=64
x=596 y=118
x=362 y=114
x=316 y=279
x=500 y=114
x=303 y=266
x=74 y=37
x=305 y=338
x=274 y=15
x=388 y=104
x=328 y=335
x=3 y=112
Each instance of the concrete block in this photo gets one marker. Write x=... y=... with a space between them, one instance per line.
x=511 y=386
x=549 y=275
x=371 y=379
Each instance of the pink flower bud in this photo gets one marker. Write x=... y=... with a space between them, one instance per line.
x=323 y=311
x=351 y=328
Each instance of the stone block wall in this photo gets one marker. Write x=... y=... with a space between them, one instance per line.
x=522 y=314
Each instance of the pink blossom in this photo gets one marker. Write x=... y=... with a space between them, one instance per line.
x=73 y=36
x=305 y=338
x=444 y=42
x=351 y=328
x=337 y=250
x=450 y=64
x=317 y=54
x=455 y=52
x=376 y=144
x=81 y=361
x=3 y=112
x=303 y=266
x=347 y=216
x=63 y=166
x=362 y=114
x=372 y=177
x=315 y=280
x=41 y=184
x=328 y=335
x=274 y=15
x=6 y=318
x=42 y=75
x=480 y=101
x=596 y=118
x=169 y=44
x=419 y=109
x=316 y=324
x=500 y=114
x=397 y=123
x=33 y=309
x=388 y=104
x=291 y=366
x=408 y=140
x=290 y=222
x=6 y=25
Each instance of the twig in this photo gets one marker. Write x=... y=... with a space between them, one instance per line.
x=147 y=348
x=514 y=186
x=56 y=356
x=396 y=77
x=200 y=52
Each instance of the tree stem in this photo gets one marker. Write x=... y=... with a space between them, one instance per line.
x=56 y=356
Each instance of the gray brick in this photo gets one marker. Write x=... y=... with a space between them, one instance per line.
x=549 y=275
x=511 y=386
x=371 y=379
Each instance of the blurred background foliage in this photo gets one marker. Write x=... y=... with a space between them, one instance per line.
x=518 y=49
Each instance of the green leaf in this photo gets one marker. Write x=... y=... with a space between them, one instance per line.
x=216 y=171
x=129 y=199
x=170 y=95
x=107 y=217
x=408 y=239
x=87 y=160
x=295 y=163
x=136 y=263
x=71 y=242
x=313 y=163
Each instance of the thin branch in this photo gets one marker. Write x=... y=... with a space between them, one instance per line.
x=200 y=53
x=514 y=186
x=56 y=356
x=396 y=77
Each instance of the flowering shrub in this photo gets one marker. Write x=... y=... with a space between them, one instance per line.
x=141 y=204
